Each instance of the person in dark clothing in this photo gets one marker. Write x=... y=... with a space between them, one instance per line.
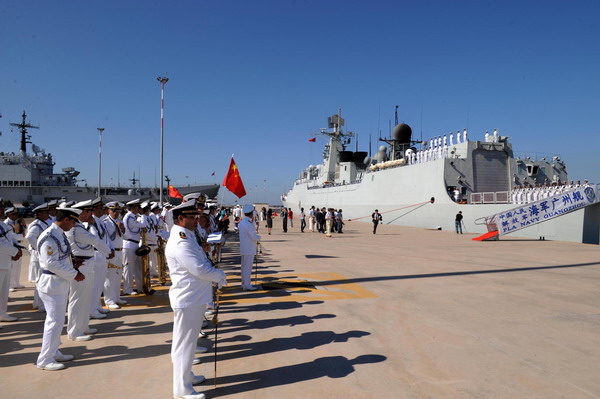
x=376 y=217
x=284 y=215
x=269 y=220
x=321 y=220
x=458 y=222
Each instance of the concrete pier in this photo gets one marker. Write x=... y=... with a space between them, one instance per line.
x=406 y=313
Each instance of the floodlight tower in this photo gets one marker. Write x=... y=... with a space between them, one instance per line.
x=162 y=81
x=100 y=130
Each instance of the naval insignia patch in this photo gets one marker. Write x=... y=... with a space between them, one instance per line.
x=50 y=251
x=182 y=234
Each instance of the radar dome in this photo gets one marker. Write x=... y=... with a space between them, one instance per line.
x=402 y=133
x=382 y=148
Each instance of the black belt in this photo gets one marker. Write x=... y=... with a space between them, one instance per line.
x=82 y=257
x=118 y=249
x=151 y=245
x=44 y=271
x=127 y=239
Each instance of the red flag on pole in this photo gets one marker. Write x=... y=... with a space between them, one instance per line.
x=233 y=181
x=313 y=139
x=173 y=192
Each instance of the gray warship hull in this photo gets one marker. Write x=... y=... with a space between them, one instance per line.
x=414 y=187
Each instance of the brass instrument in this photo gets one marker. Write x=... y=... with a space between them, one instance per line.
x=144 y=253
x=162 y=261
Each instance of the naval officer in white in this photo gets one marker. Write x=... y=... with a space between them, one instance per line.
x=192 y=276
x=57 y=272
x=132 y=266
x=248 y=240
x=84 y=246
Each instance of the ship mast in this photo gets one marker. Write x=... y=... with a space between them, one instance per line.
x=23 y=126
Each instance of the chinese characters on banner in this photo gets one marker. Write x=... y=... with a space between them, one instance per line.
x=545 y=209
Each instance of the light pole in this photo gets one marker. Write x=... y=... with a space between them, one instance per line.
x=162 y=81
x=100 y=130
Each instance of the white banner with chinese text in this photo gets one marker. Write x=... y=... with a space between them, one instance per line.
x=545 y=209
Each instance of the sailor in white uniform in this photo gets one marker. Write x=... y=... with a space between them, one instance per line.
x=132 y=266
x=248 y=240
x=151 y=237
x=53 y=285
x=53 y=209
x=35 y=228
x=18 y=227
x=192 y=277
x=96 y=227
x=9 y=251
x=83 y=246
x=114 y=230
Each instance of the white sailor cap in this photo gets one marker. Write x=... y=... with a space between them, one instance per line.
x=113 y=205
x=186 y=208
x=168 y=205
x=154 y=206
x=73 y=213
x=53 y=204
x=10 y=209
x=66 y=204
x=247 y=209
x=145 y=204
x=44 y=207
x=83 y=205
x=97 y=202
x=135 y=202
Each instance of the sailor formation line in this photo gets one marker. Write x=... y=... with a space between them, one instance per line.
x=83 y=253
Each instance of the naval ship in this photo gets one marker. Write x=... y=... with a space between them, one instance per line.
x=29 y=177
x=425 y=184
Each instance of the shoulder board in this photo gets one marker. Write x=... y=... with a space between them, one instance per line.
x=182 y=235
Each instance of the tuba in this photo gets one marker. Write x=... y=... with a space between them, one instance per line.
x=162 y=261
x=144 y=251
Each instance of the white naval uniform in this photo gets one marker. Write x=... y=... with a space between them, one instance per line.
x=83 y=244
x=7 y=250
x=192 y=276
x=248 y=240
x=112 y=285
x=15 y=270
x=152 y=239
x=53 y=286
x=132 y=266
x=100 y=263
x=34 y=230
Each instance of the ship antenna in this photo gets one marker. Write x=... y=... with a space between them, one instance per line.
x=23 y=126
x=421 y=123
x=396 y=116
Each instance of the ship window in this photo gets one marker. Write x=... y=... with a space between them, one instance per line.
x=11 y=183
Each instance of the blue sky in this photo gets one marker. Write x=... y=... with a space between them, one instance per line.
x=258 y=78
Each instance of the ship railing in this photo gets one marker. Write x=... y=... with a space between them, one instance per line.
x=490 y=197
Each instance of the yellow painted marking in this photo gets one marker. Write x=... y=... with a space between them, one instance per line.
x=339 y=290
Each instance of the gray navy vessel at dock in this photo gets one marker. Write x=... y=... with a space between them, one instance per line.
x=425 y=184
x=30 y=177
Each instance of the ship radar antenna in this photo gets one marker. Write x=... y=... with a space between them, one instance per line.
x=134 y=180
x=23 y=126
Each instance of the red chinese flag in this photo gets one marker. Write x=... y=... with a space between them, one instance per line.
x=173 y=192
x=233 y=181
x=313 y=139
